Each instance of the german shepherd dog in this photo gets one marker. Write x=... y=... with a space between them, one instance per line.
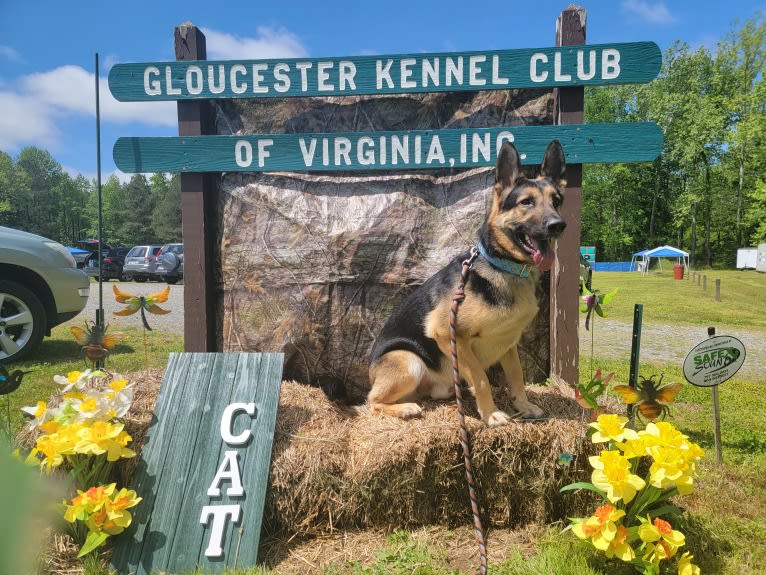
x=410 y=359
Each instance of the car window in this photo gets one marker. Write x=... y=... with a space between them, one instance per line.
x=135 y=252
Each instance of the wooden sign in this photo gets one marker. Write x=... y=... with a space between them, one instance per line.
x=626 y=63
x=412 y=149
x=204 y=467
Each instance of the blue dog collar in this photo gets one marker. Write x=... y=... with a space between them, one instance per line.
x=503 y=264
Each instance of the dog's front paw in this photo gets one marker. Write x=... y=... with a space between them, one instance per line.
x=528 y=410
x=409 y=410
x=498 y=418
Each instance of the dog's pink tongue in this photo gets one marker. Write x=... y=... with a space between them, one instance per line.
x=543 y=262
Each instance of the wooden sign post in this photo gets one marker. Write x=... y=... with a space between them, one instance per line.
x=203 y=470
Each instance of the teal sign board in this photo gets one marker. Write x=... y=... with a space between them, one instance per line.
x=204 y=466
x=600 y=64
x=583 y=144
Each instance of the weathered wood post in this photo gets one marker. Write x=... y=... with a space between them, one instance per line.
x=704 y=283
x=199 y=211
x=568 y=108
x=717 y=289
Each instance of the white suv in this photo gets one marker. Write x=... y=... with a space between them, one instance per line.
x=40 y=288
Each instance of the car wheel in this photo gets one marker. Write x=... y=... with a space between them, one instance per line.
x=22 y=321
x=140 y=279
x=171 y=281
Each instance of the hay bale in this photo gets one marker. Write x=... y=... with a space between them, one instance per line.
x=334 y=469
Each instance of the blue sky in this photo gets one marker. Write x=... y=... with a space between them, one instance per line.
x=47 y=49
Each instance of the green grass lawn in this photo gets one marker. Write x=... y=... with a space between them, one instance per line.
x=727 y=511
x=665 y=300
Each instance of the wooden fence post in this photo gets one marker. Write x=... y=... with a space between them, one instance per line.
x=704 y=283
x=717 y=289
x=199 y=213
x=568 y=108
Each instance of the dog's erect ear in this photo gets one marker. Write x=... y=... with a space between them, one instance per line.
x=554 y=164
x=508 y=165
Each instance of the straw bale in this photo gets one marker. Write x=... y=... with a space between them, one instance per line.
x=335 y=467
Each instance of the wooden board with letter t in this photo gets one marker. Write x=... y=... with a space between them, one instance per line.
x=204 y=467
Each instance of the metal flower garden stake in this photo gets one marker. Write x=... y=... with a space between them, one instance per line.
x=143 y=304
x=586 y=393
x=9 y=382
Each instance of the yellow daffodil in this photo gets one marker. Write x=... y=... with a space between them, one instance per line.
x=670 y=469
x=611 y=473
x=87 y=502
x=661 y=530
x=637 y=447
x=104 y=437
x=654 y=553
x=39 y=411
x=685 y=565
x=619 y=546
x=600 y=528
x=611 y=427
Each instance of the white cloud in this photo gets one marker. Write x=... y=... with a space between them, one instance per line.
x=268 y=43
x=8 y=53
x=34 y=105
x=654 y=13
x=25 y=122
x=32 y=112
x=71 y=90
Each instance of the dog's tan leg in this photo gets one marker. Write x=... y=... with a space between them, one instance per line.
x=511 y=365
x=395 y=377
x=474 y=374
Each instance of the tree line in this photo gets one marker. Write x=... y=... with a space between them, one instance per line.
x=706 y=193
x=38 y=196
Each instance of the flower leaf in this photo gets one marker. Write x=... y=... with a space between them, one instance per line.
x=582 y=485
x=92 y=541
x=607 y=297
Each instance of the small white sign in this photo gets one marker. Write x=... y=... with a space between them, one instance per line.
x=714 y=360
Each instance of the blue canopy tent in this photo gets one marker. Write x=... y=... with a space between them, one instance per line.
x=642 y=259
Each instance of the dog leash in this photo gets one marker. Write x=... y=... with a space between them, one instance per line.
x=457 y=299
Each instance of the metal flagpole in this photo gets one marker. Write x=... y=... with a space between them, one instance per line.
x=100 y=310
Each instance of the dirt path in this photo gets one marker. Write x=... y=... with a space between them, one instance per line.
x=671 y=343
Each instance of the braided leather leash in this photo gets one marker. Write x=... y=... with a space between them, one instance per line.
x=457 y=299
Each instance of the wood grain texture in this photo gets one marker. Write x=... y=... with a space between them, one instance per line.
x=182 y=453
x=568 y=109
x=601 y=64
x=349 y=151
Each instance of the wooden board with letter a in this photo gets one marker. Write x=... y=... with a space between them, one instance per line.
x=204 y=467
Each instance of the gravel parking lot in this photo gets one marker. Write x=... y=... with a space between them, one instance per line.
x=172 y=322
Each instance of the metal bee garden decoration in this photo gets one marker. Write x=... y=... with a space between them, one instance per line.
x=96 y=343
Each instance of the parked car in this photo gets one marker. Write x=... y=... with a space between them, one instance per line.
x=140 y=262
x=170 y=263
x=586 y=273
x=40 y=288
x=84 y=248
x=112 y=263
